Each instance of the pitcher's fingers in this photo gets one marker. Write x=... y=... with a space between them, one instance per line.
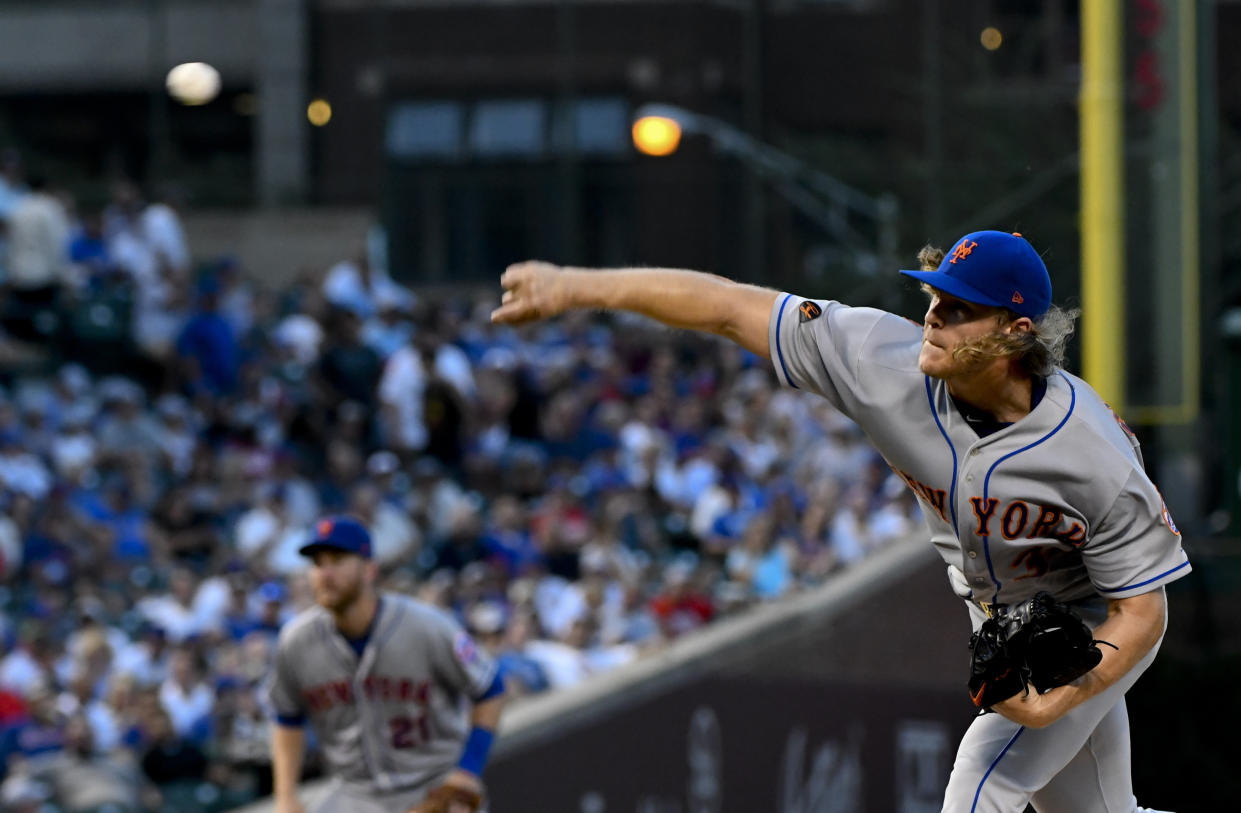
x=513 y=275
x=511 y=313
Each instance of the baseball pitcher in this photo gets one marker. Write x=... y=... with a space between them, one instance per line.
x=403 y=704
x=1033 y=489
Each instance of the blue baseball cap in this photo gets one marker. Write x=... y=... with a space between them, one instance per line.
x=339 y=533
x=993 y=268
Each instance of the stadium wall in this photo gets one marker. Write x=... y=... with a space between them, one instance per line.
x=277 y=246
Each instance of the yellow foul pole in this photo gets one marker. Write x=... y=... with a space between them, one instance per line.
x=1102 y=193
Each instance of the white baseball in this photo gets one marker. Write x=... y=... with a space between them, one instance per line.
x=193 y=83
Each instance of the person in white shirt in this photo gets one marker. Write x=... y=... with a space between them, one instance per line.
x=268 y=537
x=160 y=224
x=184 y=695
x=38 y=244
x=20 y=471
x=30 y=663
x=174 y=611
x=145 y=659
x=359 y=286
x=401 y=391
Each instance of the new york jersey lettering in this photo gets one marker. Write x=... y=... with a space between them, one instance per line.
x=1014 y=521
x=934 y=497
x=983 y=513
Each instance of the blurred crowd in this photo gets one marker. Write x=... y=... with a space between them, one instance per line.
x=578 y=493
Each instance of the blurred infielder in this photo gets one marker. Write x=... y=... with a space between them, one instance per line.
x=1033 y=489
x=403 y=703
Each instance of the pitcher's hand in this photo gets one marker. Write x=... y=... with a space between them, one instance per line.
x=533 y=290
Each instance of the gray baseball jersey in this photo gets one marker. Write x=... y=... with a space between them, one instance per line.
x=395 y=718
x=1056 y=501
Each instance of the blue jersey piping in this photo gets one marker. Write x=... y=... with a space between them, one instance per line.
x=986 y=483
x=1148 y=581
x=779 y=350
x=991 y=768
x=952 y=491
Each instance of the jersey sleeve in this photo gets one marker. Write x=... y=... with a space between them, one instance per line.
x=1136 y=548
x=282 y=692
x=820 y=345
x=458 y=660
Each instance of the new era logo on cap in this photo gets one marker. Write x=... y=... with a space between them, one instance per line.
x=994 y=268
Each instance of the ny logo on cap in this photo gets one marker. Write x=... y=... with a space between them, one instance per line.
x=325 y=527
x=963 y=249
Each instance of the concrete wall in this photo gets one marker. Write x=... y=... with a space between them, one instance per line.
x=277 y=245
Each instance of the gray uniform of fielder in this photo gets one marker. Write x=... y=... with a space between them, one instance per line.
x=393 y=722
x=1057 y=501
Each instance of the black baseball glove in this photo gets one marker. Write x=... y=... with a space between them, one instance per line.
x=1040 y=643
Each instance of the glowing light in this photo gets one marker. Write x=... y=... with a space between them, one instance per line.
x=319 y=112
x=656 y=135
x=991 y=38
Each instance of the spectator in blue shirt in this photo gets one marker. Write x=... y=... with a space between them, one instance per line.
x=89 y=250
x=42 y=732
x=207 y=346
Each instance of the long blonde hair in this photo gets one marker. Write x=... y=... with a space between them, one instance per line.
x=1039 y=350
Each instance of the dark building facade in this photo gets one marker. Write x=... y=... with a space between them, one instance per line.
x=487 y=130
x=492 y=131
